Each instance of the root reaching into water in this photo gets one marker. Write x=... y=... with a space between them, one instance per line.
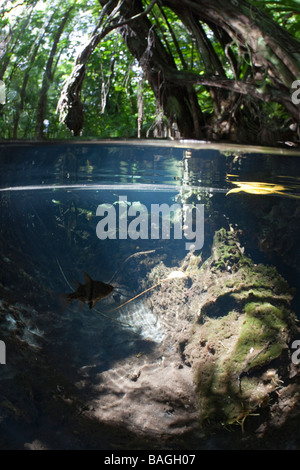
x=172 y=275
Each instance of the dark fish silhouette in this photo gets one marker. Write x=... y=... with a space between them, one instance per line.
x=90 y=292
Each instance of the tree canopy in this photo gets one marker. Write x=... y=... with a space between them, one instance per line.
x=151 y=68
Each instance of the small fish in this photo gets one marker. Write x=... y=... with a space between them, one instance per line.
x=90 y=292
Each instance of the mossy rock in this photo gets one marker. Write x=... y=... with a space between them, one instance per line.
x=239 y=349
x=227 y=253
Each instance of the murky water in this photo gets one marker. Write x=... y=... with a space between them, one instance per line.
x=128 y=215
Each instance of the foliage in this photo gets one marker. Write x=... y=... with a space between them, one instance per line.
x=117 y=92
x=120 y=115
x=286 y=13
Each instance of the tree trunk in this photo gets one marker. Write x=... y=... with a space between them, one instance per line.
x=178 y=100
x=268 y=63
x=13 y=41
x=32 y=56
x=270 y=45
x=48 y=77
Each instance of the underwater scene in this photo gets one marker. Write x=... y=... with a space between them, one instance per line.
x=150 y=296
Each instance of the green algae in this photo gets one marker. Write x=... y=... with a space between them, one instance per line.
x=226 y=252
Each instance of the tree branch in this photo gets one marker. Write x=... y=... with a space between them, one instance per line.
x=244 y=88
x=70 y=94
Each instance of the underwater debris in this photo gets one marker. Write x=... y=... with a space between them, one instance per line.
x=172 y=275
x=240 y=419
x=90 y=292
x=138 y=253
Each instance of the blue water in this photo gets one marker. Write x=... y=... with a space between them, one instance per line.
x=49 y=195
